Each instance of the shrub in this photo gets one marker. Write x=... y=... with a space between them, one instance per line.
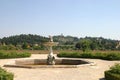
x=111 y=76
x=112 y=56
x=71 y=55
x=4 y=75
x=113 y=73
x=115 y=69
x=8 y=47
x=86 y=55
x=5 y=55
x=105 y=56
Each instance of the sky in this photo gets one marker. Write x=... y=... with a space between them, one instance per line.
x=80 y=18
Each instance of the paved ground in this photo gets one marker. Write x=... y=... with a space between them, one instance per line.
x=95 y=72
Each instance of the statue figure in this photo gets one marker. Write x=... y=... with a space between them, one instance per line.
x=51 y=38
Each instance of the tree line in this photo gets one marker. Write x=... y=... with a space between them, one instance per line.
x=35 y=42
x=97 y=43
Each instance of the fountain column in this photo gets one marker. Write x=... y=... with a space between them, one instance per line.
x=51 y=58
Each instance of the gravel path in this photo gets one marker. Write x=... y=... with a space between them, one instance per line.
x=95 y=72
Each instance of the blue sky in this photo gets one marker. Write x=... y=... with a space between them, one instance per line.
x=95 y=18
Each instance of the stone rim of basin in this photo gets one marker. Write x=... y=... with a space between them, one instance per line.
x=41 y=63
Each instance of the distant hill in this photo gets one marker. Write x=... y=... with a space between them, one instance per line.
x=37 y=39
x=64 y=41
x=23 y=38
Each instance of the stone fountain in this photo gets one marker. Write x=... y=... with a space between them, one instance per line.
x=50 y=62
x=51 y=58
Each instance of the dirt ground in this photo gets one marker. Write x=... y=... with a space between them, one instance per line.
x=94 y=72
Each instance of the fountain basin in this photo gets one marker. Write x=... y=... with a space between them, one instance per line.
x=41 y=63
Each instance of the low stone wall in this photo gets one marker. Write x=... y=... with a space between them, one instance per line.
x=73 y=62
x=42 y=63
x=31 y=61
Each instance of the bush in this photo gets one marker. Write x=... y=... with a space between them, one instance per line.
x=69 y=55
x=105 y=56
x=86 y=55
x=112 y=56
x=111 y=76
x=7 y=47
x=115 y=69
x=5 y=55
x=113 y=73
x=4 y=75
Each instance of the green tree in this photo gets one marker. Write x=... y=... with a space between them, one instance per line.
x=25 y=46
x=84 y=45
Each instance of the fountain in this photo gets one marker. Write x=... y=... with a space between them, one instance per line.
x=51 y=58
x=50 y=62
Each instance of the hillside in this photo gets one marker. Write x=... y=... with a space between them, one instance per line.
x=67 y=42
x=23 y=38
